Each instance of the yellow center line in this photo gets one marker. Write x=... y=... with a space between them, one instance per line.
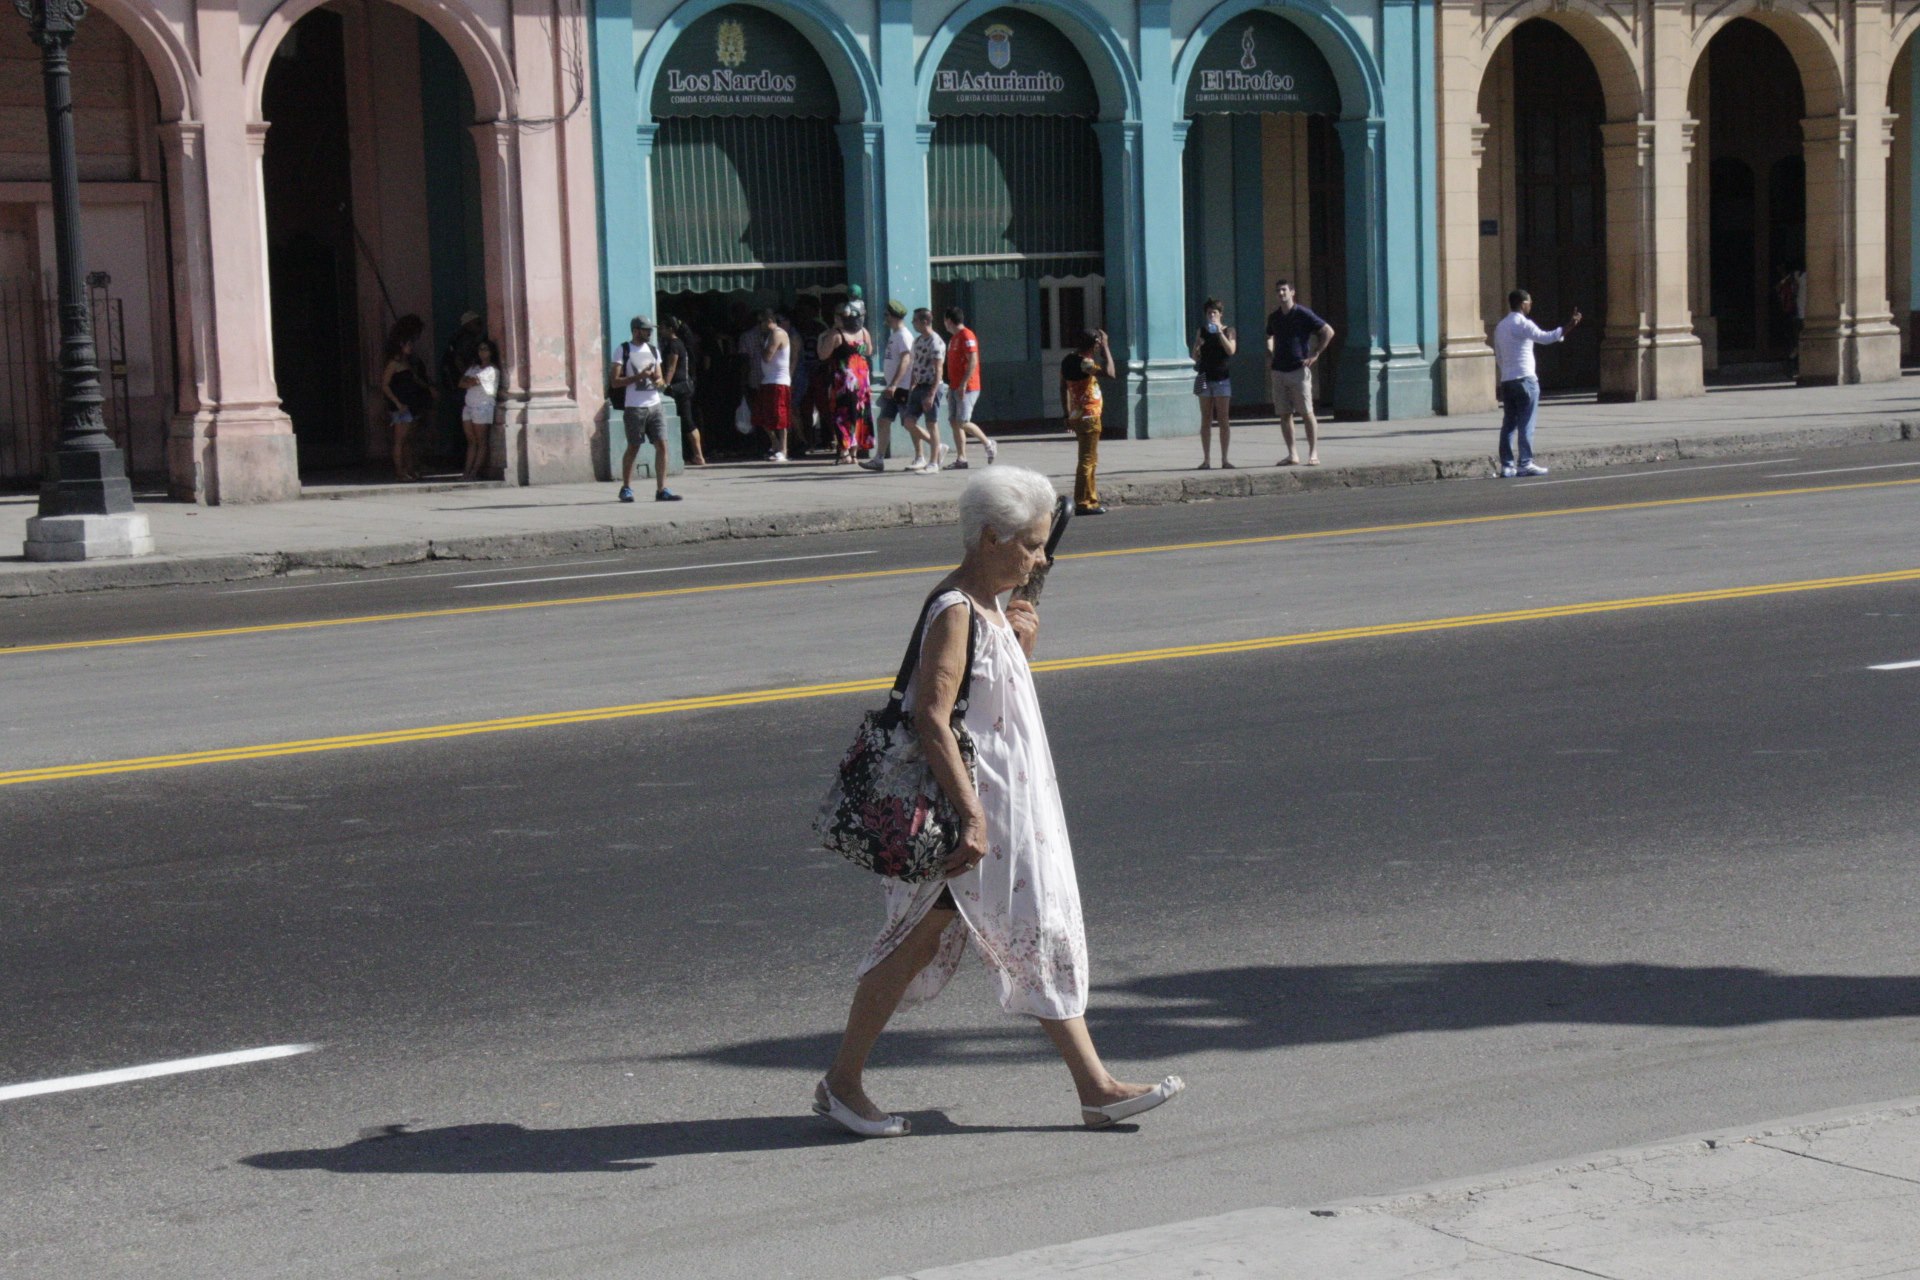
x=869 y=574
x=796 y=693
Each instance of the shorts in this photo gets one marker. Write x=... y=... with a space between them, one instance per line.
x=482 y=415
x=927 y=394
x=399 y=417
x=893 y=404
x=1213 y=390
x=1293 y=390
x=645 y=424
x=960 y=405
x=772 y=407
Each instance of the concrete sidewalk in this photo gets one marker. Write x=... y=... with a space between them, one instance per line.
x=365 y=528
x=1834 y=1195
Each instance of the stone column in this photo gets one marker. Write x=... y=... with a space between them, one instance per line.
x=228 y=441
x=1670 y=363
x=1873 y=345
x=1467 y=375
x=1823 y=339
x=1158 y=371
x=860 y=162
x=903 y=173
x=1121 y=257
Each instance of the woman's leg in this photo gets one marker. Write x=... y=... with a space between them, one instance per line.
x=1221 y=405
x=1206 y=431
x=1091 y=1079
x=400 y=469
x=874 y=1001
x=471 y=468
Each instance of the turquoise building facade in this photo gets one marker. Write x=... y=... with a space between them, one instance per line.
x=1047 y=165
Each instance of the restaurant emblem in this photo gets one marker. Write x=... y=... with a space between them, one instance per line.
x=1000 y=46
x=730 y=45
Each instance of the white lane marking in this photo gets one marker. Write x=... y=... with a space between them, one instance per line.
x=411 y=577
x=674 y=568
x=1670 y=471
x=176 y=1067
x=1896 y=666
x=1834 y=471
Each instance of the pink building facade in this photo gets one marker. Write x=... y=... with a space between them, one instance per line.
x=267 y=187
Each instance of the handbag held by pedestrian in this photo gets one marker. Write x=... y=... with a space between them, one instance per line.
x=885 y=810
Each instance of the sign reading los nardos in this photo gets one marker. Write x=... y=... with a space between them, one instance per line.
x=1012 y=63
x=1261 y=63
x=743 y=61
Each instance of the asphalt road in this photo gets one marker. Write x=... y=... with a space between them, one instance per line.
x=1406 y=905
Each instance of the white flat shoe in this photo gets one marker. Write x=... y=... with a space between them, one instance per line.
x=855 y=1123
x=1100 y=1117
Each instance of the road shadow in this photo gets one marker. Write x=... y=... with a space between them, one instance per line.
x=610 y=1148
x=1261 y=1007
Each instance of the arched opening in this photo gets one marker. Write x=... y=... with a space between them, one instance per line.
x=373 y=213
x=1903 y=185
x=749 y=188
x=1748 y=97
x=1015 y=204
x=1265 y=189
x=1543 y=191
x=124 y=243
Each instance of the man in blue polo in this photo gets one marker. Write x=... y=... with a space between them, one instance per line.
x=1296 y=339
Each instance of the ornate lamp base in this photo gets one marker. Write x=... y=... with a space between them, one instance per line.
x=88 y=537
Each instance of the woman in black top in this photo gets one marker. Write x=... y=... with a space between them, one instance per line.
x=1214 y=344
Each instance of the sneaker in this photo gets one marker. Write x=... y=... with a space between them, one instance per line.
x=1507 y=471
x=666 y=495
x=776 y=457
x=626 y=493
x=874 y=464
x=993 y=451
x=1533 y=469
x=958 y=464
x=918 y=464
x=1089 y=511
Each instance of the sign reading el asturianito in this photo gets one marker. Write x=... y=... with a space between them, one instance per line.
x=743 y=61
x=1012 y=63
x=1258 y=63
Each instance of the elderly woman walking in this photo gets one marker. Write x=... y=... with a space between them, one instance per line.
x=1010 y=887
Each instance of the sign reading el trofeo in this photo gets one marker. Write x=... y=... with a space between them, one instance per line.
x=743 y=61
x=1010 y=62
x=1259 y=63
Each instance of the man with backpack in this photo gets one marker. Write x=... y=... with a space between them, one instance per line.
x=637 y=379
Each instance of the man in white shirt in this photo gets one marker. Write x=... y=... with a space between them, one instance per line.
x=1513 y=342
x=637 y=380
x=894 y=366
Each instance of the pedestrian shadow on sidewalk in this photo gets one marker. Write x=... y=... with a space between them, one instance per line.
x=1260 y=1007
x=609 y=1148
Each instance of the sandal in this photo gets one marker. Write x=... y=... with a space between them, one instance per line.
x=1101 y=1117
x=825 y=1104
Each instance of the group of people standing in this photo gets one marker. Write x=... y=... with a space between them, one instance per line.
x=1296 y=339
x=469 y=369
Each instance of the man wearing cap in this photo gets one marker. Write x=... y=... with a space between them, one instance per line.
x=637 y=380
x=895 y=366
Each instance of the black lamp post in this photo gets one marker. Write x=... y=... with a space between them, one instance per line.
x=88 y=476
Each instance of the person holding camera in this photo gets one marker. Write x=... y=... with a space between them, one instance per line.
x=1214 y=345
x=637 y=376
x=1080 y=397
x=1514 y=339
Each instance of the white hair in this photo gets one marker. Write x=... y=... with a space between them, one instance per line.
x=1004 y=499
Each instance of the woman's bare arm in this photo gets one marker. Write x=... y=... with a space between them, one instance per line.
x=943 y=659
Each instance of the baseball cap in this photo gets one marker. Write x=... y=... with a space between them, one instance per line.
x=642 y=322
x=897 y=309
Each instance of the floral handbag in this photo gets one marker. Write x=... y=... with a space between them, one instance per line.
x=885 y=811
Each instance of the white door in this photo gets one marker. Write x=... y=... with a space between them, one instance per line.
x=1068 y=304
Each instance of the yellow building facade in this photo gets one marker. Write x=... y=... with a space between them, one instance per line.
x=1722 y=187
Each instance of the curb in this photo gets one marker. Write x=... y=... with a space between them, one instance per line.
x=163 y=571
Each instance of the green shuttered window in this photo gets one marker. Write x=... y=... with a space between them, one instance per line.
x=747 y=202
x=1014 y=197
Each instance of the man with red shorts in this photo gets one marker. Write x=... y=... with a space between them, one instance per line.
x=772 y=401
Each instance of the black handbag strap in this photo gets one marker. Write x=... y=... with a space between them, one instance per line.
x=897 y=698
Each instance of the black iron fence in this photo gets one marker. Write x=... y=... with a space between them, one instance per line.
x=30 y=376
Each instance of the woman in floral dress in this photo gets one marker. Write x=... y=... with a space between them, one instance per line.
x=843 y=355
x=1011 y=889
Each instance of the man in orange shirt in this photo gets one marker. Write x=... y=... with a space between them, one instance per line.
x=963 y=388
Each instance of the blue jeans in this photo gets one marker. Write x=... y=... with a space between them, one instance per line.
x=1519 y=400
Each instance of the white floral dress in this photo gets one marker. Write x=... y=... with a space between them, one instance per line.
x=1021 y=905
